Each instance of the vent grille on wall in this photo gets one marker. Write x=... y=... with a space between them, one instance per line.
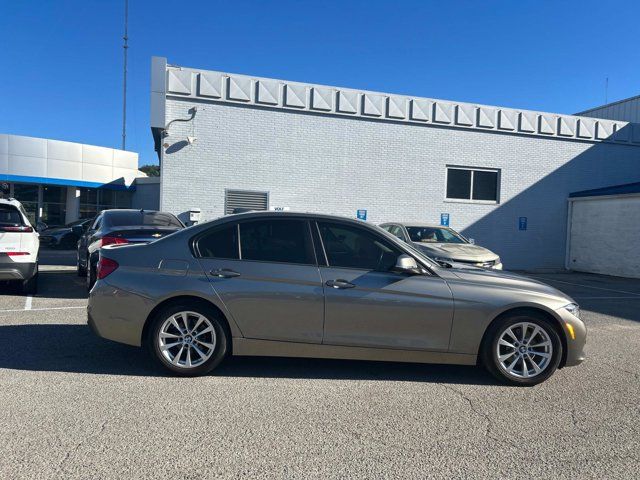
x=239 y=201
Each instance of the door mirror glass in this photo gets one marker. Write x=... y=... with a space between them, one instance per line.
x=472 y=241
x=406 y=264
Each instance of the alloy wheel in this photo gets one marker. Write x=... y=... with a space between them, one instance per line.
x=187 y=339
x=524 y=350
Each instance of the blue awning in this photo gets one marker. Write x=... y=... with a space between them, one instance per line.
x=613 y=190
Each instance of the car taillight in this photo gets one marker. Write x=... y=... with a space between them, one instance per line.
x=106 y=266
x=113 y=241
x=21 y=229
x=13 y=254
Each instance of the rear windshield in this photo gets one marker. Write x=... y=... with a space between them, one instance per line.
x=152 y=219
x=9 y=215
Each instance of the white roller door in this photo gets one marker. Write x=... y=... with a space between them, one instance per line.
x=604 y=235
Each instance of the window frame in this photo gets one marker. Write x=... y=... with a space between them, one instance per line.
x=498 y=173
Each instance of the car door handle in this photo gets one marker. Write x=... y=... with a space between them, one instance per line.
x=339 y=283
x=224 y=273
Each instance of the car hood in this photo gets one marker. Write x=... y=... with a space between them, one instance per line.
x=503 y=280
x=465 y=252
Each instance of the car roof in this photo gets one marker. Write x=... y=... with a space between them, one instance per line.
x=10 y=201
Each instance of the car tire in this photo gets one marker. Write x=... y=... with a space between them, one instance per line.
x=30 y=286
x=176 y=348
x=91 y=277
x=517 y=362
x=80 y=270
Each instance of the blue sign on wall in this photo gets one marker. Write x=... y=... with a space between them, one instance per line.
x=444 y=219
x=522 y=223
x=361 y=214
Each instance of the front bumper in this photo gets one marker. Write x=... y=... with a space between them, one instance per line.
x=10 y=270
x=575 y=332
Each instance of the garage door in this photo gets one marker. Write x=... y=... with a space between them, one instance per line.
x=604 y=236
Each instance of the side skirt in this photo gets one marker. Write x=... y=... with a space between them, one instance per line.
x=271 y=348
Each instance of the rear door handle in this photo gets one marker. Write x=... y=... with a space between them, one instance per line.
x=224 y=273
x=339 y=283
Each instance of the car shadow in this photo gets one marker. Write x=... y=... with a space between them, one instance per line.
x=75 y=349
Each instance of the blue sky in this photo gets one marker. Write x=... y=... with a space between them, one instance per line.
x=61 y=73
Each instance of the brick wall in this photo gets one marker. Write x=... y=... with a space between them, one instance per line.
x=331 y=164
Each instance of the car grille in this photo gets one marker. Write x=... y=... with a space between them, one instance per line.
x=487 y=264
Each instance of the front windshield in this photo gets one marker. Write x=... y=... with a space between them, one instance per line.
x=434 y=235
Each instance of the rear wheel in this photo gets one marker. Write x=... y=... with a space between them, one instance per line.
x=30 y=286
x=522 y=349
x=91 y=277
x=187 y=339
x=80 y=270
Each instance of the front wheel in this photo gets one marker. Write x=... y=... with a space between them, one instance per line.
x=189 y=340
x=522 y=349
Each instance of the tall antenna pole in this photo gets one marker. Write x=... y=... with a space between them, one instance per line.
x=125 y=46
x=606 y=91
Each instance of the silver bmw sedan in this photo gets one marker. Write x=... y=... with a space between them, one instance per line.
x=305 y=285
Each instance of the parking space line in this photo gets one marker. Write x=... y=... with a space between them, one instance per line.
x=40 y=309
x=606 y=298
x=27 y=303
x=590 y=286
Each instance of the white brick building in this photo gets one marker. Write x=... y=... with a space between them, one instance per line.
x=336 y=150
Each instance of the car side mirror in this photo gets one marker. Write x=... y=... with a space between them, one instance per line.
x=472 y=241
x=78 y=230
x=406 y=264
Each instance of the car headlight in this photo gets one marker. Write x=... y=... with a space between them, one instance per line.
x=573 y=309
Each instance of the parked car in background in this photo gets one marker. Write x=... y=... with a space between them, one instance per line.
x=443 y=244
x=119 y=227
x=64 y=237
x=19 y=247
x=306 y=285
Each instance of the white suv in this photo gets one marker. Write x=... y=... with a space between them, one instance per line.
x=19 y=245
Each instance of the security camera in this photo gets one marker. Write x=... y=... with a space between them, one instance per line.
x=191 y=140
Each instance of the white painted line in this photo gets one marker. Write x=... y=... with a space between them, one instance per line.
x=40 y=309
x=27 y=303
x=589 y=286
x=606 y=298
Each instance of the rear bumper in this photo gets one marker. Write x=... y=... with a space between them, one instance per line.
x=116 y=314
x=10 y=270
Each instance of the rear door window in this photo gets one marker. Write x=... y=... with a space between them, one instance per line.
x=276 y=240
x=220 y=242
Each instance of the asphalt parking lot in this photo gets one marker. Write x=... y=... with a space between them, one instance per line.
x=76 y=406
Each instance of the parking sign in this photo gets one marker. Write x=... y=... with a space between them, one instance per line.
x=361 y=214
x=444 y=219
x=522 y=223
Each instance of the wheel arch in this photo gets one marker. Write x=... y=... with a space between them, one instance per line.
x=523 y=310
x=191 y=300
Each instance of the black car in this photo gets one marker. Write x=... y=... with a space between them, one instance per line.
x=64 y=236
x=120 y=227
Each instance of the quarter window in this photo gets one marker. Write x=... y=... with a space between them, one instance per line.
x=352 y=247
x=472 y=184
x=284 y=241
x=220 y=243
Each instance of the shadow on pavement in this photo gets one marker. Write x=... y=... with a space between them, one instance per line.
x=75 y=349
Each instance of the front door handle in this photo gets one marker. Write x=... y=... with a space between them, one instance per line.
x=339 y=283
x=224 y=273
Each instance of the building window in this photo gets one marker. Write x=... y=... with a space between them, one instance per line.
x=473 y=184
